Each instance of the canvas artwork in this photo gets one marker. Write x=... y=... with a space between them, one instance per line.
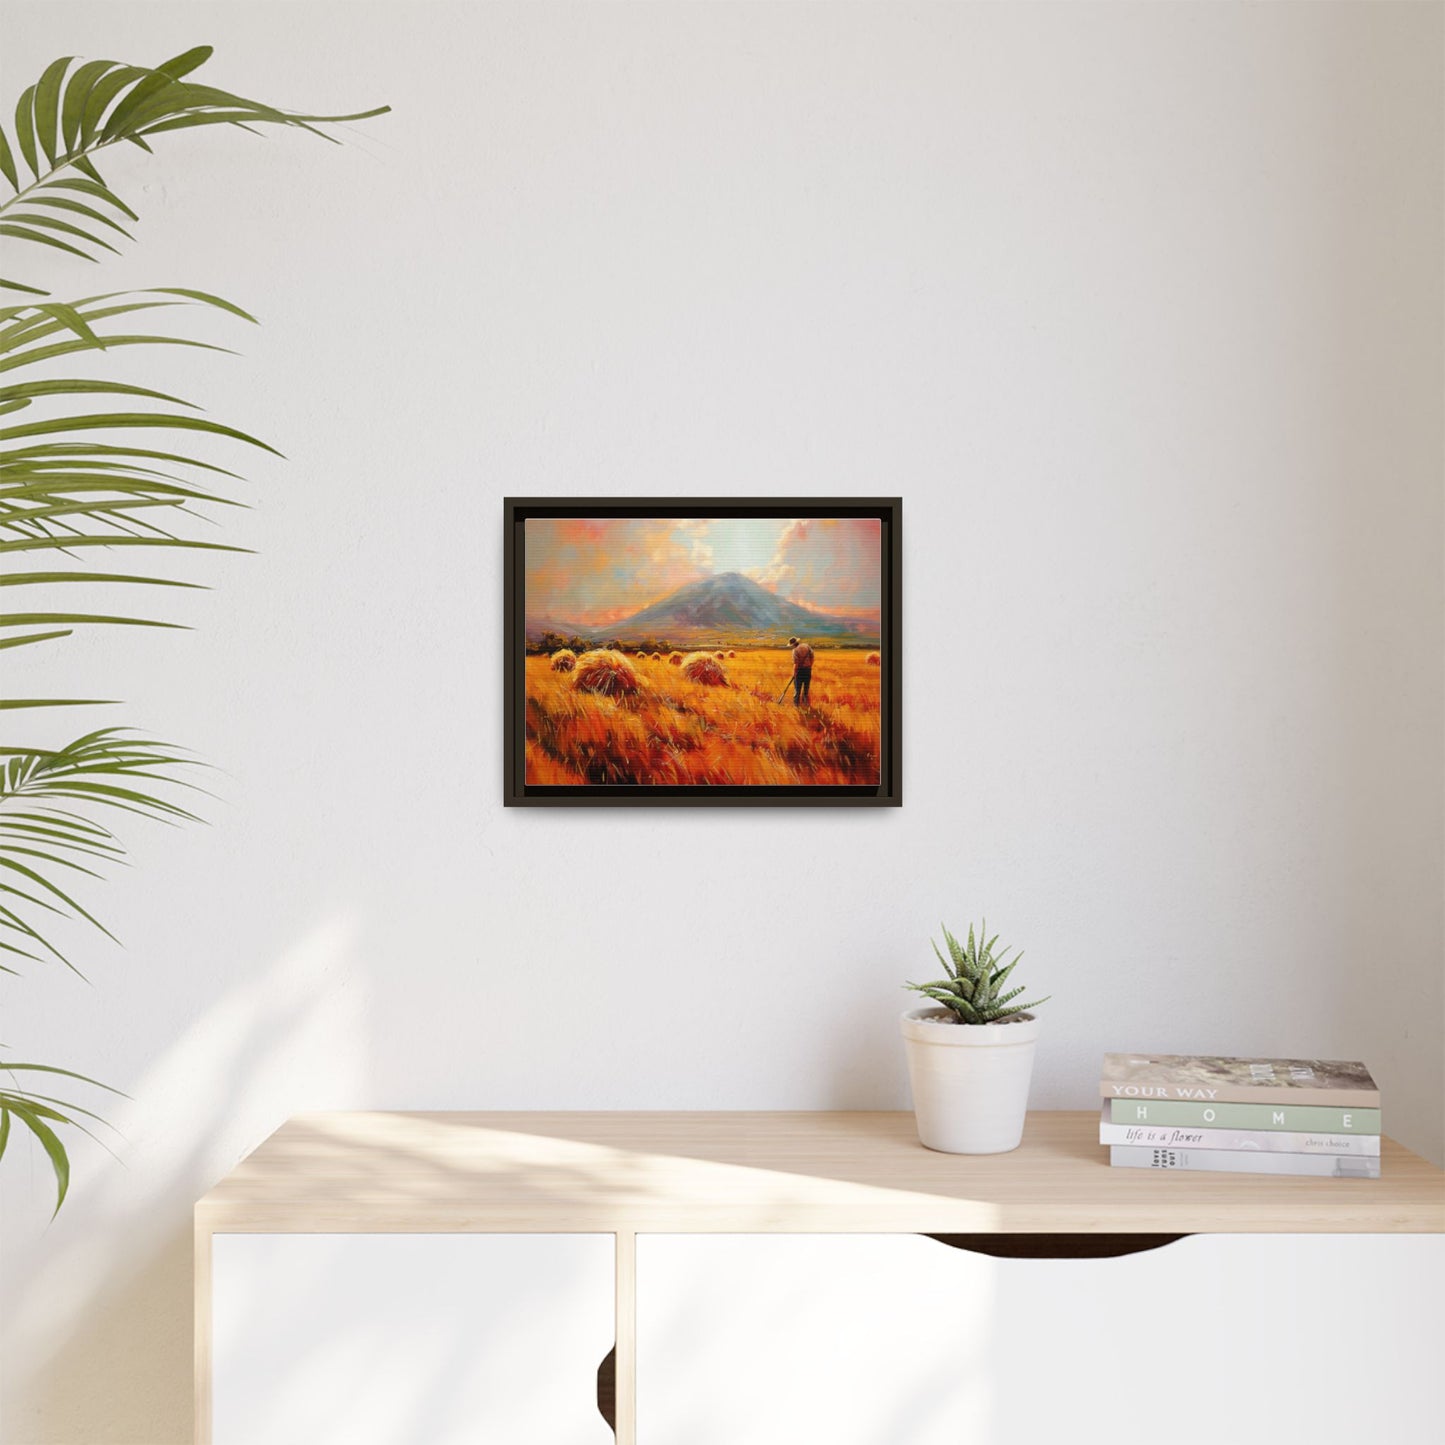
x=738 y=654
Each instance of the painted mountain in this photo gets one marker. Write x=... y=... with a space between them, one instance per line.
x=725 y=608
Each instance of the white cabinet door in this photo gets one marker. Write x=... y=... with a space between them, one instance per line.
x=400 y=1339
x=900 y=1340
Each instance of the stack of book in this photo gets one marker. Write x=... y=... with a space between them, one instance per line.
x=1242 y=1116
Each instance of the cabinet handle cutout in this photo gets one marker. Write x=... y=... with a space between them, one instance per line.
x=607 y=1389
x=1056 y=1246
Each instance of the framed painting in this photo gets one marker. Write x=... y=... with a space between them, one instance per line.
x=703 y=652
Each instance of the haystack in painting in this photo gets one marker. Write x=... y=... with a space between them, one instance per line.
x=874 y=660
x=607 y=672
x=704 y=668
x=564 y=660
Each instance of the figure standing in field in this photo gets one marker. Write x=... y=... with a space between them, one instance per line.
x=802 y=671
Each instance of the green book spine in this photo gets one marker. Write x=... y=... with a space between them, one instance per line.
x=1307 y=1118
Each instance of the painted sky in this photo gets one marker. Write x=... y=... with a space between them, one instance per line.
x=595 y=570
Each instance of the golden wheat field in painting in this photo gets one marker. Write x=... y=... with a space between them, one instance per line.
x=672 y=730
x=660 y=652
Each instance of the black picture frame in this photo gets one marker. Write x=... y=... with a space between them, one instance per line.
x=518 y=793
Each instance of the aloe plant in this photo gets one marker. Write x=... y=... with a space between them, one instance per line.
x=76 y=484
x=974 y=987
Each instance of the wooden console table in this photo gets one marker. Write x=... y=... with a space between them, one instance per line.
x=626 y=1175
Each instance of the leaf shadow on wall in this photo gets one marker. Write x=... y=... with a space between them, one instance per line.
x=98 y=1336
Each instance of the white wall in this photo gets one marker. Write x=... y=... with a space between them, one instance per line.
x=1138 y=307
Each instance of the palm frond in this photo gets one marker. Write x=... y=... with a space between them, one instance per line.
x=74 y=111
x=41 y=1113
x=74 y=482
x=64 y=490
x=40 y=831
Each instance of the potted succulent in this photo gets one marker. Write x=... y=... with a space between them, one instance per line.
x=970 y=1058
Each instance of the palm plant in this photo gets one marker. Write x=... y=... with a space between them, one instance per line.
x=76 y=483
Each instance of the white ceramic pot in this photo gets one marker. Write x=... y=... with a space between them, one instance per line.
x=970 y=1081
